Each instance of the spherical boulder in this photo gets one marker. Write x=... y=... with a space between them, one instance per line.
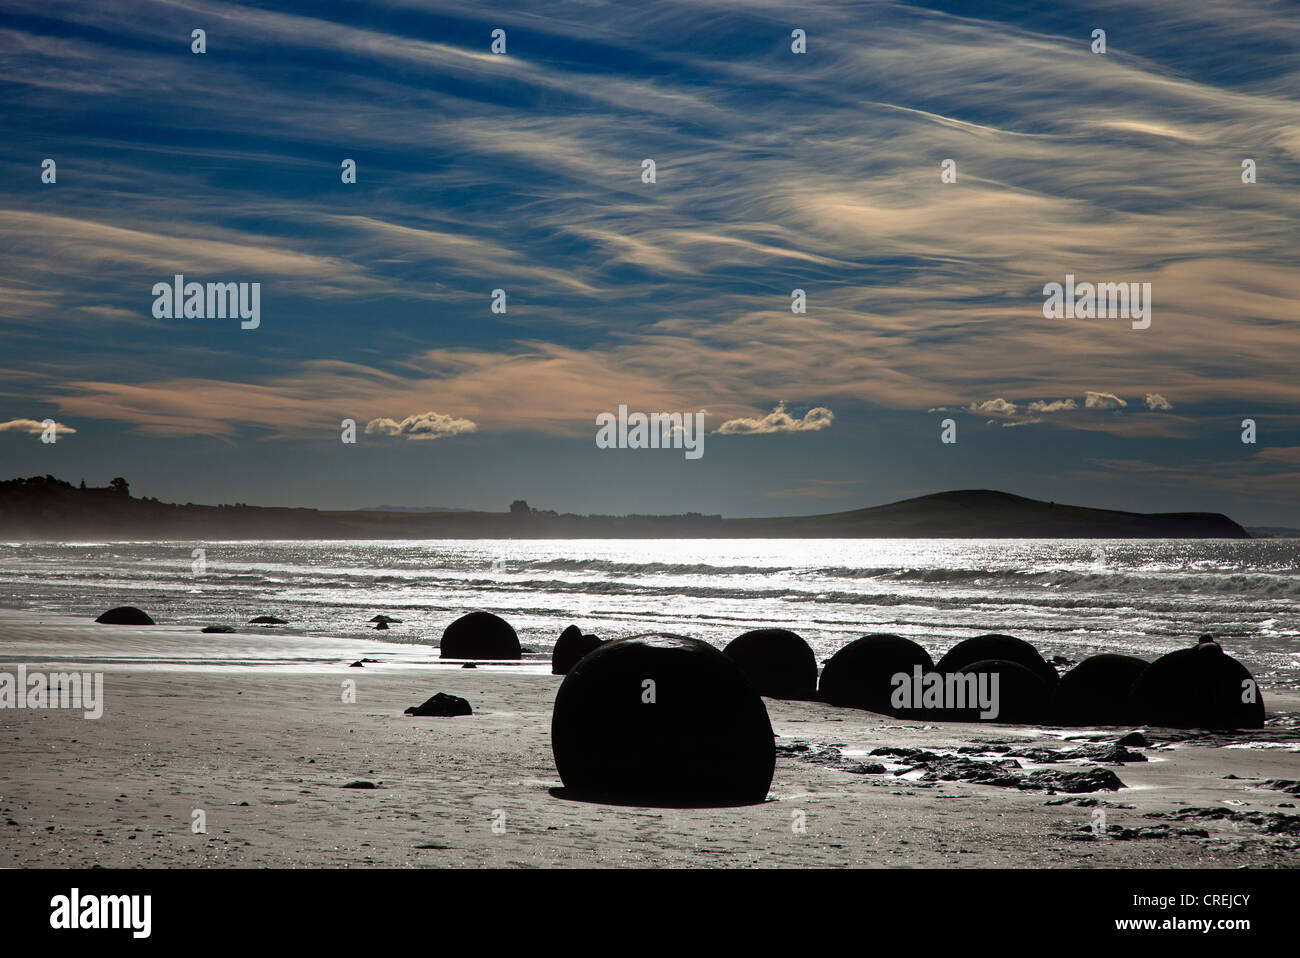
x=125 y=615
x=1200 y=687
x=1005 y=648
x=777 y=662
x=1014 y=695
x=569 y=648
x=480 y=635
x=862 y=674
x=662 y=720
x=1096 y=691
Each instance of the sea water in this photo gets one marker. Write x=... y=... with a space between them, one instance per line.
x=1068 y=597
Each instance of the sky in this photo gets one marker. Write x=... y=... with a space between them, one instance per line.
x=774 y=171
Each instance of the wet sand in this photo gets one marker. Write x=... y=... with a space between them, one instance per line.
x=253 y=731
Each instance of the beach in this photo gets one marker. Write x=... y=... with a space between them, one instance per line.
x=252 y=730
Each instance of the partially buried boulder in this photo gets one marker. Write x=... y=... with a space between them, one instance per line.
x=1200 y=687
x=267 y=620
x=777 y=662
x=662 y=720
x=1096 y=691
x=571 y=646
x=1005 y=648
x=1004 y=692
x=385 y=618
x=125 y=615
x=861 y=675
x=217 y=629
x=442 y=705
x=480 y=635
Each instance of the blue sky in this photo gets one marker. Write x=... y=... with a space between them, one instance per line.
x=774 y=171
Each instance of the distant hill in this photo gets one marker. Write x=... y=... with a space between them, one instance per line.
x=411 y=509
x=45 y=508
x=1273 y=532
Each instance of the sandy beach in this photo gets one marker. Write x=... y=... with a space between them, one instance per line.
x=252 y=730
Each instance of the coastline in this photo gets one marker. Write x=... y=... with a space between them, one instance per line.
x=211 y=722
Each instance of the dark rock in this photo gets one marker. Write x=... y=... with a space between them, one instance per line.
x=571 y=646
x=267 y=620
x=1006 y=648
x=443 y=705
x=125 y=615
x=1092 y=780
x=360 y=783
x=1200 y=687
x=1096 y=691
x=860 y=675
x=480 y=635
x=382 y=626
x=356 y=665
x=385 y=618
x=217 y=629
x=1022 y=695
x=1134 y=740
x=469 y=665
x=662 y=720
x=777 y=662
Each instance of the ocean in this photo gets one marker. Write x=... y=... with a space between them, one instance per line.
x=1068 y=597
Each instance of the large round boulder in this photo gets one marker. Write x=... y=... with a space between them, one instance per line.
x=125 y=615
x=862 y=674
x=1096 y=691
x=480 y=635
x=1200 y=687
x=1013 y=694
x=1004 y=648
x=662 y=720
x=571 y=646
x=777 y=662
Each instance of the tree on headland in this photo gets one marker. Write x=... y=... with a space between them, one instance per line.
x=120 y=486
x=520 y=508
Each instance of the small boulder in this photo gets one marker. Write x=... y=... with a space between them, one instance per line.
x=443 y=705
x=381 y=626
x=267 y=620
x=125 y=615
x=571 y=646
x=217 y=629
x=480 y=635
x=1096 y=691
x=356 y=665
x=861 y=675
x=385 y=618
x=777 y=662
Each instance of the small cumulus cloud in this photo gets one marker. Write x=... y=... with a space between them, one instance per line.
x=778 y=420
x=33 y=428
x=1104 y=401
x=429 y=425
x=992 y=407
x=1060 y=405
x=1159 y=403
